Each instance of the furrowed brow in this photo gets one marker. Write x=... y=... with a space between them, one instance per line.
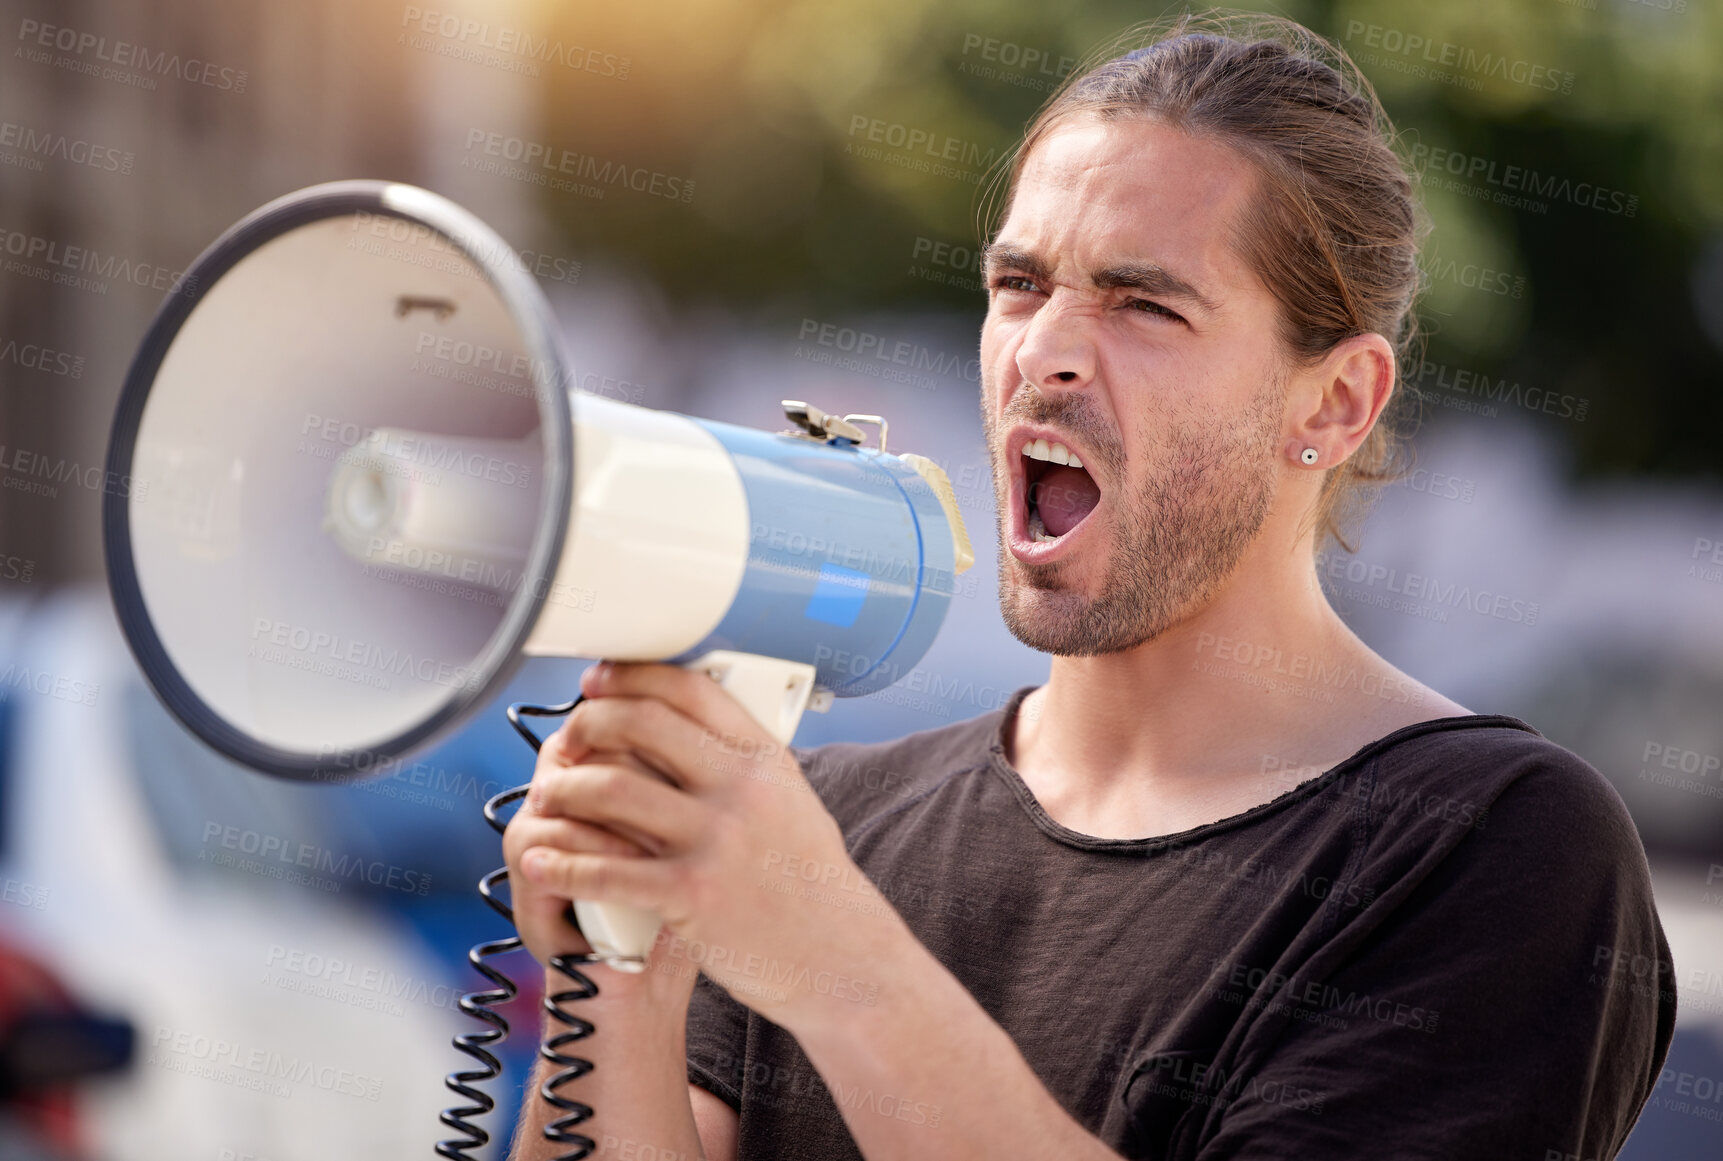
x=1151 y=279
x=995 y=255
x=1144 y=276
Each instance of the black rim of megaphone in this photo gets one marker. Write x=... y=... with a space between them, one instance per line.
x=501 y=266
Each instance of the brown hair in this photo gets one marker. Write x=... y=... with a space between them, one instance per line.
x=1334 y=232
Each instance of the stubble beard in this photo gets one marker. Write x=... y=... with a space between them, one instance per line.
x=1176 y=537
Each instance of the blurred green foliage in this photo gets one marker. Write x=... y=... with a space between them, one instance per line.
x=784 y=114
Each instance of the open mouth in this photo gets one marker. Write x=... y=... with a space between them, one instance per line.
x=1057 y=495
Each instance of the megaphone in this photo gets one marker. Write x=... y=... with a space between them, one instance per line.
x=364 y=487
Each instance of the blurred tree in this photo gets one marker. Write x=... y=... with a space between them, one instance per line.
x=1572 y=153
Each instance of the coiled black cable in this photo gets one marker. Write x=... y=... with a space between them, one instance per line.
x=478 y=1004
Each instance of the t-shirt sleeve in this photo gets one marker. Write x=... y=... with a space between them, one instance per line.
x=1513 y=999
x=717 y=1041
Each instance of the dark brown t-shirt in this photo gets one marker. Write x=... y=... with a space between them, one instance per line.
x=1444 y=947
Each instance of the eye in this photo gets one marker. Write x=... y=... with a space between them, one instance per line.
x=1014 y=282
x=1147 y=307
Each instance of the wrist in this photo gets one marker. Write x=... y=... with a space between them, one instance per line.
x=644 y=1000
x=873 y=968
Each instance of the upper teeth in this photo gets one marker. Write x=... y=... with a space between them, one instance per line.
x=1040 y=449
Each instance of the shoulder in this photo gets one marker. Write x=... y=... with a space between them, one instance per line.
x=859 y=780
x=1518 y=796
x=1491 y=753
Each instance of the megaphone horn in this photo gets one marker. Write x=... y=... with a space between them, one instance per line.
x=369 y=491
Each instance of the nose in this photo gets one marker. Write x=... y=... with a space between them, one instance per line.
x=1057 y=352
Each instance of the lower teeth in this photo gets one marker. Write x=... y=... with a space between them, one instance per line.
x=1038 y=531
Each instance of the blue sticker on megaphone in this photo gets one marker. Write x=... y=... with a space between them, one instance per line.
x=838 y=596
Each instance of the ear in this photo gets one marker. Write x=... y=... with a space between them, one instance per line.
x=1334 y=404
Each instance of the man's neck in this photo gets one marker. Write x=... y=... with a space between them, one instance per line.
x=1257 y=692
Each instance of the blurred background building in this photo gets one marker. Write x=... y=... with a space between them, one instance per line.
x=823 y=175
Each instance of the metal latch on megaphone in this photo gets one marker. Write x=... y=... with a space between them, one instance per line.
x=818 y=425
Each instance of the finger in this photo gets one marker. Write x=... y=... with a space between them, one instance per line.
x=526 y=830
x=648 y=883
x=573 y=743
x=614 y=795
x=548 y=767
x=551 y=761
x=616 y=838
x=703 y=701
x=655 y=732
x=658 y=732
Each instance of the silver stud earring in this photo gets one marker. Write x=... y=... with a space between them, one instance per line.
x=1308 y=455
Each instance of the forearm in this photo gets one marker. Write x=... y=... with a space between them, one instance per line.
x=925 y=1073
x=638 y=1087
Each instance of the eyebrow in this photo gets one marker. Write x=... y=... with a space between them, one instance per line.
x=1147 y=277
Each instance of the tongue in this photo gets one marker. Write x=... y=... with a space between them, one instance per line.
x=1063 y=496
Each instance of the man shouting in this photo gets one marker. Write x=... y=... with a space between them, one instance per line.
x=1088 y=925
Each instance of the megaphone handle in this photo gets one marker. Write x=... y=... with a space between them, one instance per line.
x=775 y=692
